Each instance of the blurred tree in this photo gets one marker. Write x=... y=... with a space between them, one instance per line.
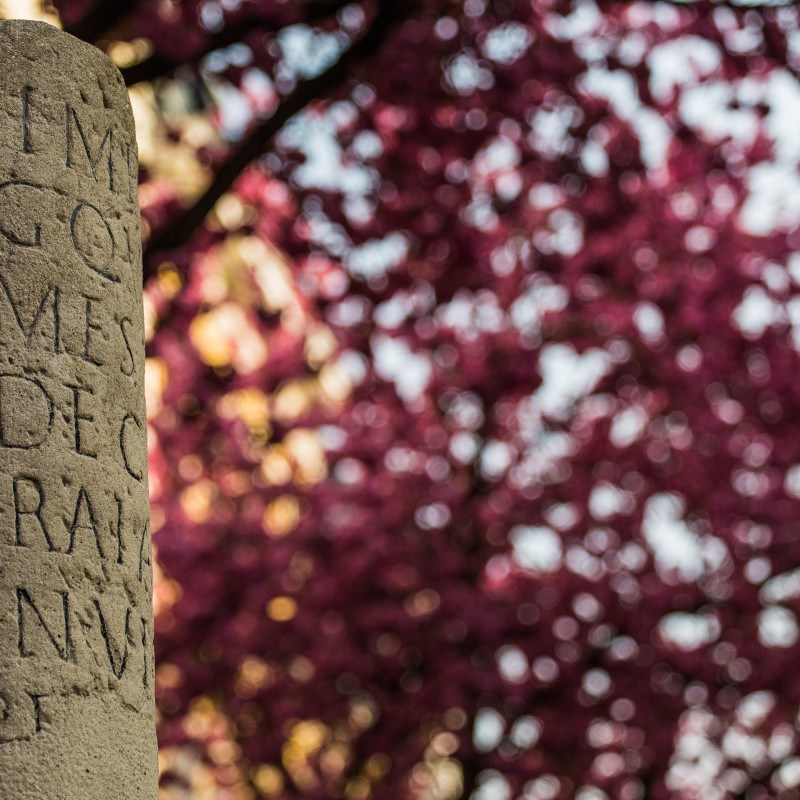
x=473 y=332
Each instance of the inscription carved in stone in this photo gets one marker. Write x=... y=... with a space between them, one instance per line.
x=76 y=663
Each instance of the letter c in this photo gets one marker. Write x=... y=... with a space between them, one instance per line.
x=123 y=447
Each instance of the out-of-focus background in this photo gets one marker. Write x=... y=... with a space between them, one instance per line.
x=473 y=393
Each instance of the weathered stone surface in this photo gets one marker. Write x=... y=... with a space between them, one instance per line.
x=76 y=664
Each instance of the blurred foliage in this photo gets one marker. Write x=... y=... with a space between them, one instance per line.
x=472 y=383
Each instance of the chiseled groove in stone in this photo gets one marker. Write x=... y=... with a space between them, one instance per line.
x=76 y=663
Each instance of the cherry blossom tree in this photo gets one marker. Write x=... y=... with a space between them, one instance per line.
x=473 y=334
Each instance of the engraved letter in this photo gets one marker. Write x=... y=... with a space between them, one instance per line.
x=144 y=544
x=26 y=412
x=123 y=447
x=94 y=161
x=125 y=369
x=119 y=529
x=24 y=602
x=90 y=326
x=20 y=204
x=83 y=520
x=27 y=332
x=104 y=631
x=25 y=95
x=93 y=240
x=23 y=488
x=77 y=418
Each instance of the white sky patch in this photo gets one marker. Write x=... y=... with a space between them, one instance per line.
x=755 y=313
x=649 y=321
x=563 y=235
x=696 y=761
x=792 y=311
x=377 y=256
x=632 y=49
x=540 y=297
x=496 y=458
x=590 y=793
x=492 y=786
x=536 y=548
x=545 y=196
x=582 y=562
x=680 y=63
x=392 y=312
x=466 y=410
x=306 y=52
x=791 y=483
x=583 y=20
x=367 y=145
x=238 y=55
x=777 y=627
x=788 y=774
x=488 y=730
x=324 y=168
x=605 y=500
x=506 y=43
x=708 y=109
x=465 y=74
x=464 y=446
x=754 y=708
x=543 y=457
x=782 y=94
x=329 y=235
x=550 y=129
x=512 y=664
x=674 y=545
x=526 y=731
x=689 y=631
x=499 y=155
x=431 y=516
x=235 y=111
x=562 y=515
x=394 y=361
x=353 y=365
x=627 y=426
x=594 y=159
x=619 y=88
x=567 y=377
x=597 y=683
x=773 y=200
x=471 y=314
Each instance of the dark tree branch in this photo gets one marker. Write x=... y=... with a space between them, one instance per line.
x=161 y=64
x=176 y=233
x=101 y=18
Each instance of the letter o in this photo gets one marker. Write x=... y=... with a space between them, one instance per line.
x=92 y=239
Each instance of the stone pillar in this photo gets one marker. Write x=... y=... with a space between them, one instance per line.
x=76 y=626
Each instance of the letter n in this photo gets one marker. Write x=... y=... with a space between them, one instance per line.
x=28 y=614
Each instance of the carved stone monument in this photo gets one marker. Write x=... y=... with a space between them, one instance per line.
x=76 y=626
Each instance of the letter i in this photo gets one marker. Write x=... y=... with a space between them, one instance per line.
x=26 y=134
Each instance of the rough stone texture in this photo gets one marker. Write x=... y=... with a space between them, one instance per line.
x=76 y=664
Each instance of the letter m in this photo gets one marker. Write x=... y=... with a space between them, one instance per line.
x=48 y=328
x=73 y=125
